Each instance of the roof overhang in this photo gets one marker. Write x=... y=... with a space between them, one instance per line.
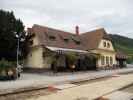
x=57 y=49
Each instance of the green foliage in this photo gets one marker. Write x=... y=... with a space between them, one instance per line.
x=8 y=26
x=130 y=60
x=71 y=57
x=124 y=44
x=5 y=65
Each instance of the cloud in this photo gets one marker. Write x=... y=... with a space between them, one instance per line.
x=114 y=15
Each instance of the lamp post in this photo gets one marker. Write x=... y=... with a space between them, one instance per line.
x=17 y=36
x=18 y=68
x=17 y=56
x=19 y=39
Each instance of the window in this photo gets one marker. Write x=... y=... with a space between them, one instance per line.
x=77 y=42
x=52 y=37
x=104 y=43
x=111 y=60
x=66 y=40
x=102 y=60
x=107 y=60
x=108 y=45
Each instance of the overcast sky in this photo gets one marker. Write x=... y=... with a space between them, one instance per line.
x=116 y=16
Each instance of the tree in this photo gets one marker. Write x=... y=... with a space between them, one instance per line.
x=72 y=58
x=9 y=27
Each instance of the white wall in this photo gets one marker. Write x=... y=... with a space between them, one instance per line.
x=34 y=58
x=101 y=45
x=105 y=51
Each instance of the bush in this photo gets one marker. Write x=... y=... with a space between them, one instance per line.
x=72 y=58
x=5 y=66
x=130 y=60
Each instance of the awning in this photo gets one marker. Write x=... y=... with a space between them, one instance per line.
x=121 y=55
x=56 y=49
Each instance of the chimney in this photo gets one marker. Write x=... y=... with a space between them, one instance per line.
x=77 y=30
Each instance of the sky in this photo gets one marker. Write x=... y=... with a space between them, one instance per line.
x=116 y=16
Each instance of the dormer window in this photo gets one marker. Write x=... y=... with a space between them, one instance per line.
x=52 y=37
x=65 y=37
x=76 y=40
x=104 y=44
x=66 y=40
x=108 y=45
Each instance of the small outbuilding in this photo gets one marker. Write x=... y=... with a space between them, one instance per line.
x=121 y=59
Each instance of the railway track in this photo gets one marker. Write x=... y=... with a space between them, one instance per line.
x=30 y=93
x=22 y=95
x=26 y=94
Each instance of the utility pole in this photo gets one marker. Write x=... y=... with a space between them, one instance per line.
x=18 y=51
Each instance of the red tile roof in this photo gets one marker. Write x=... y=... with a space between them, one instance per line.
x=43 y=34
x=88 y=40
x=92 y=39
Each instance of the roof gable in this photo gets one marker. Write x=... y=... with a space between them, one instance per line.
x=92 y=39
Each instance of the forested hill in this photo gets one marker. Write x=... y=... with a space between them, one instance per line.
x=123 y=43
